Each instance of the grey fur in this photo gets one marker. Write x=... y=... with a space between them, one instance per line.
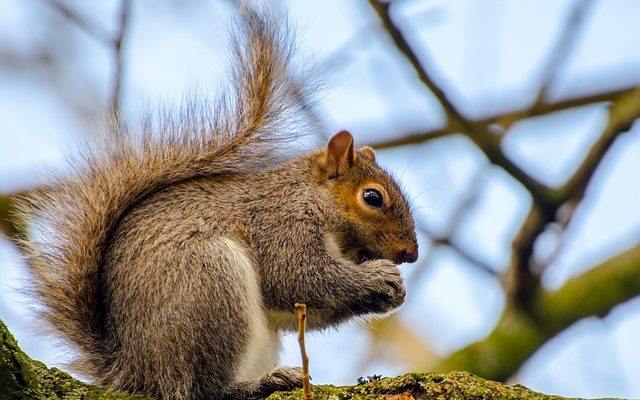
x=173 y=258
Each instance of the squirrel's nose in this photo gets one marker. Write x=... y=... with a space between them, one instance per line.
x=406 y=256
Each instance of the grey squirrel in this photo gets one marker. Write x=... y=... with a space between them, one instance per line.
x=172 y=262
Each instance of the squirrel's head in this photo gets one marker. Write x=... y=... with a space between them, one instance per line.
x=374 y=217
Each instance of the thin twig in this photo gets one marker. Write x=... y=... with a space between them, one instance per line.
x=92 y=29
x=466 y=202
x=563 y=46
x=125 y=10
x=448 y=242
x=115 y=42
x=302 y=326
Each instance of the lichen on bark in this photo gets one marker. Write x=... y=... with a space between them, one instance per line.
x=22 y=378
x=421 y=386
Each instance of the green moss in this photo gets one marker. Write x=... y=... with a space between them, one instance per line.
x=592 y=293
x=455 y=385
x=517 y=335
x=22 y=378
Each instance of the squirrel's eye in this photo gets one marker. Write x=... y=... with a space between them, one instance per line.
x=372 y=197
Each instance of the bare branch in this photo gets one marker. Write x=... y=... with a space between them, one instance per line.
x=563 y=46
x=624 y=111
x=488 y=143
x=507 y=118
x=520 y=281
x=517 y=335
x=453 y=115
x=93 y=30
x=457 y=216
x=525 y=282
x=114 y=42
x=448 y=242
x=125 y=10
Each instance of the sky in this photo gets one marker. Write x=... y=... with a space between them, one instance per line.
x=488 y=55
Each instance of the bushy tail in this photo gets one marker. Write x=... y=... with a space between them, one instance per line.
x=245 y=130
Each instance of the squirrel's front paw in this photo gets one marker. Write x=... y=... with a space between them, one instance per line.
x=384 y=290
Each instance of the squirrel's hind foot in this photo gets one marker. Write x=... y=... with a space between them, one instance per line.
x=282 y=378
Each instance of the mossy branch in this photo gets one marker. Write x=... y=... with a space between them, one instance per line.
x=420 y=386
x=518 y=335
x=23 y=378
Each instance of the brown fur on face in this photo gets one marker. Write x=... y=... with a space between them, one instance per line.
x=367 y=232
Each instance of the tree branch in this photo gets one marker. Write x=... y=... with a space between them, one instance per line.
x=624 y=111
x=115 y=42
x=93 y=30
x=517 y=335
x=508 y=117
x=488 y=143
x=125 y=10
x=24 y=378
x=562 y=48
x=9 y=225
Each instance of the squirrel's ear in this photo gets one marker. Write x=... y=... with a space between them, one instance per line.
x=340 y=155
x=368 y=152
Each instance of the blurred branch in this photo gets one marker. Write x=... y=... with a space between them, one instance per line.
x=125 y=11
x=92 y=29
x=517 y=335
x=488 y=143
x=520 y=280
x=563 y=46
x=466 y=202
x=546 y=201
x=507 y=118
x=115 y=42
x=623 y=112
x=453 y=115
x=524 y=282
x=9 y=226
x=413 y=137
x=448 y=242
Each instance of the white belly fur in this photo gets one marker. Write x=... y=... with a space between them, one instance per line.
x=263 y=349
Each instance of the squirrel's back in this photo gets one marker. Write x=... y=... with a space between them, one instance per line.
x=245 y=130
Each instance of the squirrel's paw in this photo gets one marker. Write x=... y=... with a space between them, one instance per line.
x=282 y=378
x=385 y=289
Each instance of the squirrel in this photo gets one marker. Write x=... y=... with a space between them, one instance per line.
x=172 y=261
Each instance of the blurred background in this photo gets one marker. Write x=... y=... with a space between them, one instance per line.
x=510 y=125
